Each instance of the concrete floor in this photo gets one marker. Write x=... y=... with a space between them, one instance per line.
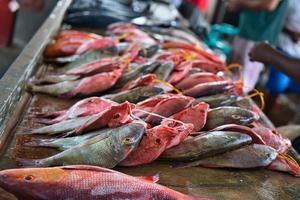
x=27 y=23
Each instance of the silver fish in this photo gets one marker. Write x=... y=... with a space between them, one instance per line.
x=229 y=115
x=250 y=156
x=100 y=151
x=206 y=145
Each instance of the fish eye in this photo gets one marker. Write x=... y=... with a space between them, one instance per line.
x=127 y=140
x=28 y=178
x=235 y=116
x=157 y=141
x=116 y=116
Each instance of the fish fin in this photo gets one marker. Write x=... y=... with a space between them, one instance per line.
x=30 y=162
x=44 y=143
x=152 y=179
x=88 y=167
x=93 y=140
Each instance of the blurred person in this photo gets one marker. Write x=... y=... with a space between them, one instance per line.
x=283 y=75
x=289 y=44
x=264 y=53
x=260 y=20
x=288 y=66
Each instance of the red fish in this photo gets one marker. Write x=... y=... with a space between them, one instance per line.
x=273 y=139
x=155 y=142
x=67 y=43
x=195 y=115
x=149 y=104
x=83 y=182
x=181 y=71
x=198 y=78
x=208 y=66
x=211 y=88
x=97 y=83
x=131 y=33
x=285 y=164
x=167 y=56
x=145 y=80
x=82 y=108
x=169 y=107
x=179 y=45
x=73 y=34
x=94 y=67
x=112 y=117
x=256 y=138
x=100 y=43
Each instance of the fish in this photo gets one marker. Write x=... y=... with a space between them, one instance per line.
x=168 y=107
x=136 y=35
x=195 y=115
x=134 y=74
x=164 y=70
x=217 y=100
x=89 y=57
x=206 y=145
x=61 y=127
x=284 y=163
x=229 y=115
x=211 y=88
x=187 y=36
x=65 y=143
x=198 y=78
x=112 y=117
x=149 y=51
x=172 y=57
x=155 y=141
x=149 y=104
x=146 y=80
x=59 y=183
x=250 y=156
x=256 y=138
x=243 y=103
x=82 y=87
x=54 y=79
x=85 y=107
x=94 y=67
x=65 y=46
x=57 y=89
x=100 y=43
x=96 y=83
x=100 y=151
x=201 y=52
x=273 y=139
x=134 y=95
x=181 y=72
x=208 y=66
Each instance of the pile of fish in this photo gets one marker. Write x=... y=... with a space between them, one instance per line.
x=146 y=95
x=150 y=95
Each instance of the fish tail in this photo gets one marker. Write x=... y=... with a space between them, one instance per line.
x=31 y=162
